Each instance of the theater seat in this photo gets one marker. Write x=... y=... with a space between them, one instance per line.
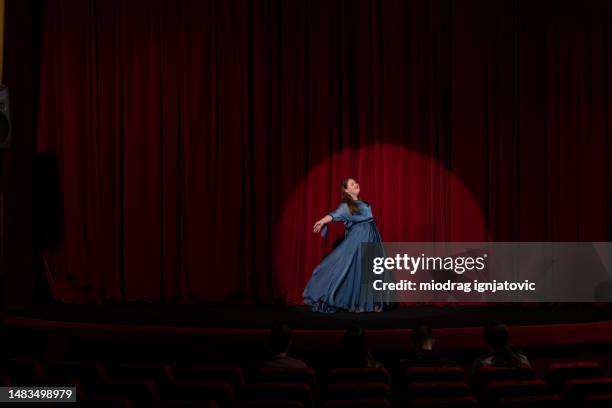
x=577 y=390
x=300 y=392
x=424 y=374
x=161 y=374
x=270 y=404
x=291 y=375
x=224 y=373
x=142 y=393
x=365 y=403
x=496 y=390
x=598 y=401
x=544 y=401
x=357 y=391
x=105 y=403
x=22 y=367
x=87 y=371
x=356 y=375
x=451 y=402
x=437 y=389
x=220 y=392
x=491 y=373
x=188 y=404
x=559 y=373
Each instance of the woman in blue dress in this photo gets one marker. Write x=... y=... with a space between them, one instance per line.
x=336 y=283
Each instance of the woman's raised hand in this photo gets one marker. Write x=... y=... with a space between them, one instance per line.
x=317 y=227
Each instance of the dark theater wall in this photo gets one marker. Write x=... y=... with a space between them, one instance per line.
x=194 y=144
x=20 y=75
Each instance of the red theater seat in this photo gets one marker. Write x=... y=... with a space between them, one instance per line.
x=580 y=389
x=271 y=404
x=225 y=373
x=452 y=402
x=278 y=375
x=516 y=388
x=559 y=373
x=105 y=403
x=437 y=389
x=365 y=403
x=355 y=375
x=358 y=391
x=161 y=374
x=442 y=373
x=491 y=373
x=543 y=401
x=279 y=392
x=142 y=393
x=188 y=404
x=87 y=371
x=22 y=367
x=5 y=380
x=220 y=392
x=598 y=401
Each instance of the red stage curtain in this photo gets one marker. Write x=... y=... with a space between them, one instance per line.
x=197 y=142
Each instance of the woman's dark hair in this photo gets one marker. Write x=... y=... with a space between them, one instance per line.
x=346 y=197
x=420 y=335
x=504 y=355
x=355 y=352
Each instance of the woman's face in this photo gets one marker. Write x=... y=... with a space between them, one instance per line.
x=352 y=187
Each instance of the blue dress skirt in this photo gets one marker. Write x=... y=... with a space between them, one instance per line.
x=336 y=283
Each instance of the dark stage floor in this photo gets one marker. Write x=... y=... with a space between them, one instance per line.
x=263 y=316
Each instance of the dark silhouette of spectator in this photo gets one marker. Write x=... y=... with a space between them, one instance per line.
x=502 y=353
x=280 y=341
x=423 y=353
x=355 y=351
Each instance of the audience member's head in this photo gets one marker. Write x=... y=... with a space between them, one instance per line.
x=504 y=354
x=355 y=341
x=496 y=335
x=355 y=352
x=280 y=339
x=422 y=338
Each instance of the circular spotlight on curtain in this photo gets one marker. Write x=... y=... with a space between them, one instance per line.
x=414 y=198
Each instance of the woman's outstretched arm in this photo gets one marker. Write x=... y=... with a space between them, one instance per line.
x=319 y=224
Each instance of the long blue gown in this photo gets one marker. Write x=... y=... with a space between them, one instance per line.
x=336 y=283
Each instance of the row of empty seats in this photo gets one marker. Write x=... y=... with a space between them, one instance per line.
x=166 y=385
